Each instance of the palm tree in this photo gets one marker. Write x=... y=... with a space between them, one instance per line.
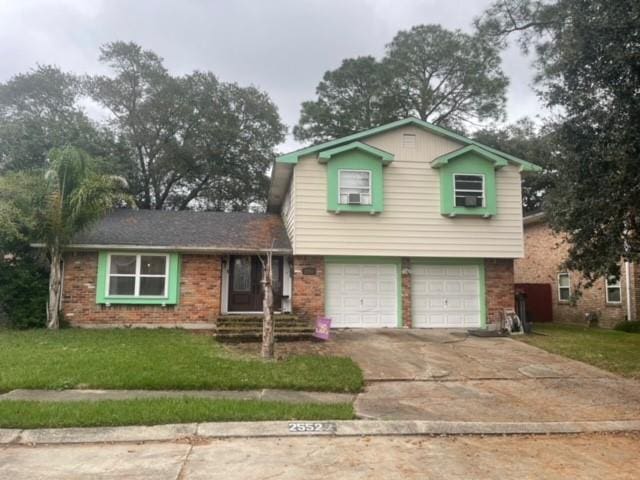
x=57 y=205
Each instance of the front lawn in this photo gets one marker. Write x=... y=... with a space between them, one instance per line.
x=109 y=413
x=618 y=352
x=156 y=360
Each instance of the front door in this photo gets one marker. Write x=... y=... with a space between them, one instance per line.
x=245 y=289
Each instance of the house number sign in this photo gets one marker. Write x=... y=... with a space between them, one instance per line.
x=319 y=427
x=309 y=270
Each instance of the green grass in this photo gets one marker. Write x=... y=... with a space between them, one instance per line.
x=107 y=413
x=156 y=360
x=618 y=352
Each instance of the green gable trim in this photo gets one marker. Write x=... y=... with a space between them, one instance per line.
x=498 y=162
x=379 y=260
x=173 y=289
x=326 y=155
x=479 y=262
x=355 y=159
x=470 y=163
x=293 y=157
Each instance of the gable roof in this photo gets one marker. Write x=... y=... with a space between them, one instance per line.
x=326 y=155
x=186 y=231
x=497 y=161
x=293 y=157
x=283 y=166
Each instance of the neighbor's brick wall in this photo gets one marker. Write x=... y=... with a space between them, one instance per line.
x=308 y=290
x=406 y=292
x=498 y=274
x=199 y=294
x=544 y=253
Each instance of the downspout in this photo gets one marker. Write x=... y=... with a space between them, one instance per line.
x=627 y=274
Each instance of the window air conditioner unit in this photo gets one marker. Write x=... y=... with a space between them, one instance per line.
x=354 y=199
x=472 y=202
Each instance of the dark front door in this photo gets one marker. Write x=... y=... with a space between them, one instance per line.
x=245 y=289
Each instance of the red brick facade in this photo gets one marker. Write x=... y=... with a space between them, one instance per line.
x=544 y=254
x=308 y=287
x=498 y=274
x=199 y=295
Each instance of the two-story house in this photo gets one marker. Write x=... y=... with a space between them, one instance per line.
x=403 y=225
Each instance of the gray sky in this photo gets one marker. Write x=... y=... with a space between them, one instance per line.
x=281 y=46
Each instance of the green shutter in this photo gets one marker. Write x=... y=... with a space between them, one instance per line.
x=173 y=290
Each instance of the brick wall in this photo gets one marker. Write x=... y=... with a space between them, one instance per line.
x=499 y=287
x=544 y=253
x=308 y=287
x=406 y=292
x=199 y=295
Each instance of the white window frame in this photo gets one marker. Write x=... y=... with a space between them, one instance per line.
x=484 y=188
x=607 y=286
x=351 y=170
x=560 y=299
x=137 y=275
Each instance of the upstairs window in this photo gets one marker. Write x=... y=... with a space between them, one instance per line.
x=469 y=190
x=354 y=187
x=614 y=290
x=564 y=287
x=137 y=275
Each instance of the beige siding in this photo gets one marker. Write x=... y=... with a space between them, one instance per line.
x=411 y=224
x=289 y=211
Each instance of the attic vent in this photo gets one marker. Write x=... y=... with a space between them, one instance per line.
x=409 y=140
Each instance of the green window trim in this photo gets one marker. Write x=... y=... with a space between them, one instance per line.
x=172 y=287
x=355 y=157
x=467 y=161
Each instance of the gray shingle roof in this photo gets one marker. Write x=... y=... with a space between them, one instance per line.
x=184 y=230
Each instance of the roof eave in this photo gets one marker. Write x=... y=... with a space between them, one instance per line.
x=169 y=248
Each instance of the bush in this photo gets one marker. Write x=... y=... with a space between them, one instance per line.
x=629 y=327
x=24 y=289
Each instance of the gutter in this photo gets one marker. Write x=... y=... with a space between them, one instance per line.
x=165 y=248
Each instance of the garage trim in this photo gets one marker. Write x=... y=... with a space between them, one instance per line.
x=380 y=260
x=479 y=262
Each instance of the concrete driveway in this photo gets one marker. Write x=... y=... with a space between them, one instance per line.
x=446 y=375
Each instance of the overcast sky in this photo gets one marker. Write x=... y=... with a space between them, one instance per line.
x=281 y=46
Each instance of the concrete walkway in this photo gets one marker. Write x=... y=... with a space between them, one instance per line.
x=289 y=396
x=591 y=456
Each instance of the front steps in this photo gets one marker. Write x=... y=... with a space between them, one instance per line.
x=249 y=327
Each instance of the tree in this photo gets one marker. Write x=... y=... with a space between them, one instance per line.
x=525 y=140
x=449 y=78
x=588 y=59
x=191 y=140
x=39 y=110
x=52 y=207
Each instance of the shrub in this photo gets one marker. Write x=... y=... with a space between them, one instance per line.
x=629 y=327
x=23 y=291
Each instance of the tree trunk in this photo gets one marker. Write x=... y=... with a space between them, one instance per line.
x=267 y=309
x=55 y=290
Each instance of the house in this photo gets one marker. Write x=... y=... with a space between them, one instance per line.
x=403 y=225
x=610 y=300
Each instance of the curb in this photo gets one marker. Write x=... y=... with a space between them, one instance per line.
x=349 y=428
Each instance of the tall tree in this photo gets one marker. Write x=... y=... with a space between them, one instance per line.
x=524 y=139
x=588 y=59
x=191 y=141
x=446 y=77
x=52 y=207
x=39 y=110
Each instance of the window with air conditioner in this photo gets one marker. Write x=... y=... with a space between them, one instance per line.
x=354 y=187
x=469 y=190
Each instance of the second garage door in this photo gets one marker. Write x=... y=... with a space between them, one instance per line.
x=362 y=295
x=445 y=296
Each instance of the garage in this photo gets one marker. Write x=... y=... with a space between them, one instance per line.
x=446 y=296
x=362 y=295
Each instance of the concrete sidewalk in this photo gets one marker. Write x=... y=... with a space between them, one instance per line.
x=347 y=428
x=289 y=396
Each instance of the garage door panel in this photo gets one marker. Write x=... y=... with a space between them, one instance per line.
x=362 y=295
x=451 y=298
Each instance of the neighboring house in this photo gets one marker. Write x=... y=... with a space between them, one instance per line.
x=407 y=224
x=611 y=300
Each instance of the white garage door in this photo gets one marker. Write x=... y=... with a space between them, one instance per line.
x=445 y=296
x=361 y=295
